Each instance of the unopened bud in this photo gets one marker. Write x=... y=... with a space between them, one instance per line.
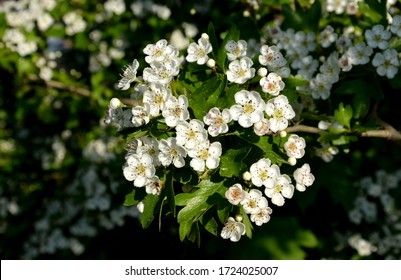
x=205 y=36
x=283 y=133
x=292 y=161
x=211 y=63
x=115 y=103
x=262 y=72
x=238 y=218
x=246 y=13
x=246 y=176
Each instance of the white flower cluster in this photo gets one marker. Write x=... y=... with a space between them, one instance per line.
x=350 y=50
x=376 y=205
x=188 y=138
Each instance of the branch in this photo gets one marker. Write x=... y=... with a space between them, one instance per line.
x=388 y=132
x=59 y=85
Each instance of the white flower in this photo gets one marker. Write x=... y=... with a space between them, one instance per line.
x=146 y=145
x=261 y=217
x=249 y=108
x=327 y=36
x=153 y=185
x=171 y=152
x=280 y=112
x=254 y=201
x=360 y=53
x=205 y=155
x=217 y=121
x=377 y=37
x=320 y=86
x=199 y=52
x=395 y=26
x=139 y=169
x=128 y=76
x=175 y=110
x=330 y=68
x=236 y=49
x=364 y=247
x=161 y=72
x=156 y=96
x=272 y=84
x=327 y=152
x=233 y=230
x=386 y=63
x=160 y=51
x=190 y=134
x=264 y=173
x=282 y=188
x=44 y=21
x=303 y=177
x=295 y=146
x=262 y=127
x=240 y=71
x=271 y=57
x=235 y=194
x=140 y=115
x=307 y=66
x=337 y=6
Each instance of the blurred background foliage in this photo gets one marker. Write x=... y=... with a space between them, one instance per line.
x=61 y=183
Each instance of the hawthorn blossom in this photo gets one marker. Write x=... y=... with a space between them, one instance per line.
x=331 y=68
x=281 y=189
x=254 y=201
x=327 y=36
x=262 y=127
x=146 y=145
x=360 y=53
x=236 y=50
x=153 y=185
x=280 y=112
x=189 y=134
x=205 y=155
x=233 y=230
x=139 y=168
x=240 y=71
x=337 y=6
x=249 y=108
x=386 y=63
x=140 y=115
x=161 y=72
x=395 y=26
x=128 y=76
x=303 y=177
x=198 y=52
x=235 y=194
x=175 y=110
x=272 y=84
x=217 y=121
x=295 y=146
x=264 y=173
x=160 y=51
x=156 y=96
x=320 y=86
x=171 y=153
x=262 y=216
x=271 y=57
x=377 y=37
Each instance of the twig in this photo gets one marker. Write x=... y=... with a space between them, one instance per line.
x=59 y=85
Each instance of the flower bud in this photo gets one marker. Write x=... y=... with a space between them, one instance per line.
x=205 y=36
x=115 y=103
x=238 y=218
x=283 y=133
x=292 y=161
x=247 y=176
x=262 y=72
x=211 y=63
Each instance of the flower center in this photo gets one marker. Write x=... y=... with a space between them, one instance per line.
x=278 y=188
x=248 y=109
x=278 y=114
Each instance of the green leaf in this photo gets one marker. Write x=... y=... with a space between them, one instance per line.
x=169 y=189
x=184 y=229
x=231 y=163
x=344 y=115
x=370 y=13
x=209 y=222
x=247 y=222
x=368 y=87
x=203 y=199
x=182 y=199
x=149 y=210
x=133 y=198
x=361 y=104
